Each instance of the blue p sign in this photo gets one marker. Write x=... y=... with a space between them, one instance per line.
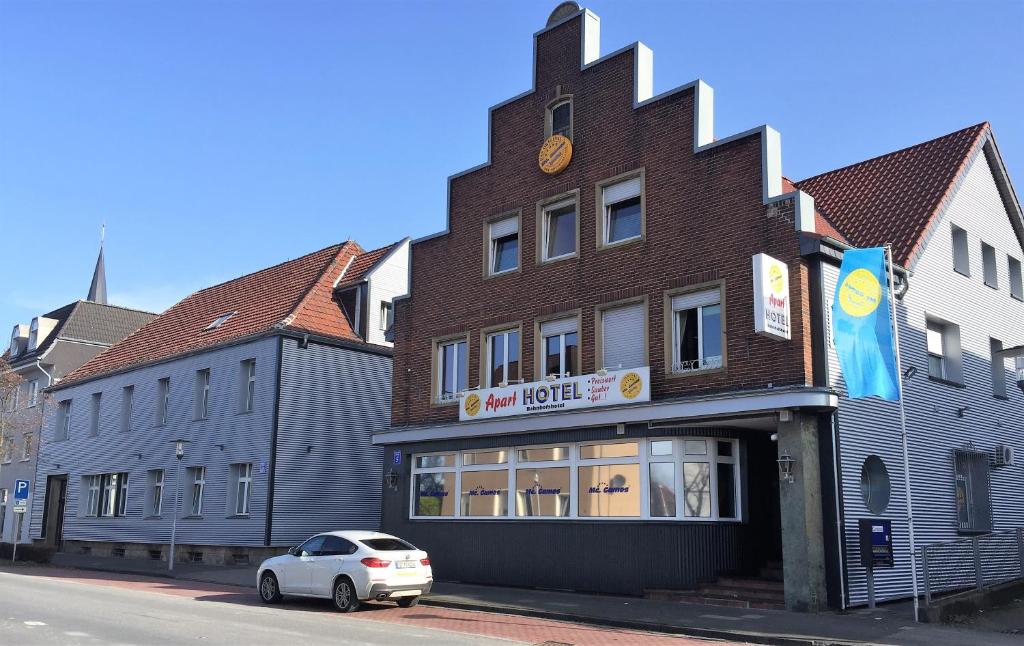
x=21 y=489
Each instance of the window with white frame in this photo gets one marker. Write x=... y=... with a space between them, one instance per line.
x=961 y=251
x=241 y=488
x=219 y=321
x=697 y=331
x=33 y=335
x=127 y=403
x=155 y=487
x=988 y=263
x=623 y=343
x=622 y=216
x=560 y=119
x=502 y=357
x=247 y=385
x=163 y=400
x=94 y=413
x=91 y=485
x=202 y=394
x=452 y=369
x=944 y=353
x=672 y=478
x=560 y=343
x=28 y=443
x=387 y=315
x=63 y=428
x=503 y=245
x=106 y=495
x=197 y=478
x=558 y=222
x=33 y=393
x=1016 y=278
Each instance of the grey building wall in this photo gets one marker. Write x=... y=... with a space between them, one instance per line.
x=327 y=470
x=224 y=438
x=25 y=419
x=871 y=426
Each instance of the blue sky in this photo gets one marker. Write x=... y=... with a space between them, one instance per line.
x=218 y=137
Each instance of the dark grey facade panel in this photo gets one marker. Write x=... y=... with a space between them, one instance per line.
x=327 y=470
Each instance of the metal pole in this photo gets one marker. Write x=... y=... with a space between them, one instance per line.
x=927 y=579
x=903 y=430
x=17 y=535
x=979 y=577
x=871 y=586
x=174 y=518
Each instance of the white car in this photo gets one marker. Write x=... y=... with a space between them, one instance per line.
x=348 y=567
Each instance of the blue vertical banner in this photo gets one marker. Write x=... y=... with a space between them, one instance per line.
x=862 y=326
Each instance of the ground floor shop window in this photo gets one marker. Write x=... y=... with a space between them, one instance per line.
x=662 y=479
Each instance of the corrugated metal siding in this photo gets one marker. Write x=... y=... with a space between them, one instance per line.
x=332 y=400
x=246 y=438
x=872 y=427
x=389 y=280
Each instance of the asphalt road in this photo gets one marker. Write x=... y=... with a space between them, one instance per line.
x=36 y=610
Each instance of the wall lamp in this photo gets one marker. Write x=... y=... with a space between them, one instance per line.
x=219 y=446
x=786 y=463
x=309 y=448
x=391 y=479
x=960 y=411
x=910 y=372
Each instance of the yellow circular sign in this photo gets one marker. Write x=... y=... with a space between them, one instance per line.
x=775 y=279
x=630 y=385
x=472 y=404
x=860 y=294
x=555 y=154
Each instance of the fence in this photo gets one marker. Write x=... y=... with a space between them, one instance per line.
x=972 y=563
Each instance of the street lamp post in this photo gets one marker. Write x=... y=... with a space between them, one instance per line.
x=179 y=453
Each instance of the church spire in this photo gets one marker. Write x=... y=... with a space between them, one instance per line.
x=98 y=288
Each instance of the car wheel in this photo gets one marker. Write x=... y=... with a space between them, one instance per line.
x=270 y=591
x=408 y=602
x=345 y=598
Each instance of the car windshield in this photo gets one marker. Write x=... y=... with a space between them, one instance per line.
x=386 y=544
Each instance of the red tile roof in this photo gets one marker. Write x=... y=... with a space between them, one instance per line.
x=894 y=198
x=364 y=263
x=822 y=226
x=296 y=295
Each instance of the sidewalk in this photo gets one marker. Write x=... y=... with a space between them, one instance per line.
x=891 y=624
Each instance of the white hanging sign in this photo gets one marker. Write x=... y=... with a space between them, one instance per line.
x=771 y=298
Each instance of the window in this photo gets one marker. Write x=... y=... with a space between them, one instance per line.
x=355 y=306
x=387 y=315
x=127 y=402
x=623 y=339
x=241 y=480
x=27 y=446
x=503 y=245
x=697 y=331
x=502 y=357
x=33 y=335
x=452 y=369
x=387 y=544
x=313 y=546
x=91 y=484
x=961 y=255
x=202 y=395
x=163 y=398
x=6 y=448
x=220 y=320
x=558 y=222
x=998 y=369
x=1016 y=278
x=247 y=385
x=33 y=393
x=94 y=414
x=621 y=211
x=155 y=486
x=337 y=546
x=561 y=347
x=875 y=487
x=943 y=340
x=198 y=477
x=3 y=508
x=683 y=479
x=973 y=500
x=106 y=494
x=560 y=119
x=63 y=420
x=988 y=262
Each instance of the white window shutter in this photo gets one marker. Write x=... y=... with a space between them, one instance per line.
x=561 y=326
x=622 y=340
x=696 y=299
x=505 y=227
x=623 y=190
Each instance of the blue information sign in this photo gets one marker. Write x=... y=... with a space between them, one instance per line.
x=20 y=494
x=397 y=457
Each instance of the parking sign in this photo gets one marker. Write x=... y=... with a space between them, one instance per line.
x=20 y=495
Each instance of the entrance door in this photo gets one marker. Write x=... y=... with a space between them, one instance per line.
x=53 y=510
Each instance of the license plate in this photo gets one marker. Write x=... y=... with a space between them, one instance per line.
x=404 y=565
x=406 y=593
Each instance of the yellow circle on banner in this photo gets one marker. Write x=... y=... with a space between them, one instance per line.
x=860 y=294
x=775 y=279
x=472 y=405
x=555 y=154
x=630 y=385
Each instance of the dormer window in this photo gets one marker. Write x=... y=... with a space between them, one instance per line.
x=560 y=118
x=220 y=320
x=33 y=335
x=354 y=306
x=19 y=338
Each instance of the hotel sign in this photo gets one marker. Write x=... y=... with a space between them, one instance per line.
x=570 y=393
x=771 y=298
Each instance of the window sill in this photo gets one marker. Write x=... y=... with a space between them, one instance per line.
x=152 y=518
x=25 y=460
x=990 y=285
x=444 y=403
x=244 y=412
x=506 y=272
x=1017 y=298
x=947 y=382
x=568 y=256
x=694 y=373
x=604 y=246
x=1004 y=398
x=238 y=517
x=966 y=274
x=192 y=517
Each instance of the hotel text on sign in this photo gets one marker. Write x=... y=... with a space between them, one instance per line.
x=586 y=391
x=771 y=297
